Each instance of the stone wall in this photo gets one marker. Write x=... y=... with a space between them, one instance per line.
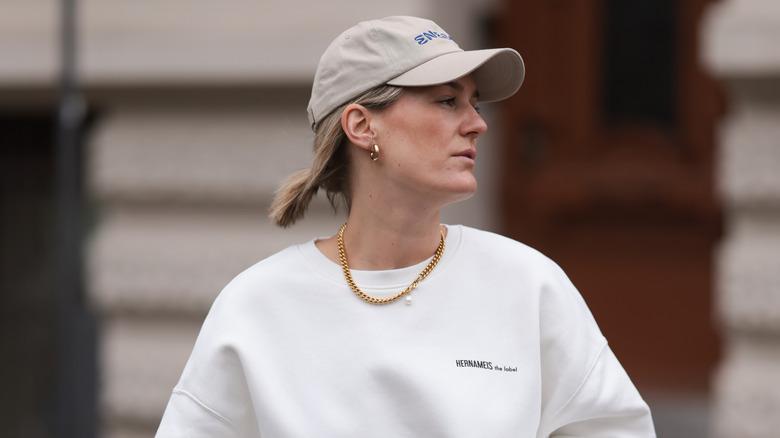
x=181 y=194
x=741 y=44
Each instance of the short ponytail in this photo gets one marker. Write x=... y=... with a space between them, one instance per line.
x=292 y=199
x=330 y=167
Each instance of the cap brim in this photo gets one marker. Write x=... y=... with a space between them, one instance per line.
x=498 y=73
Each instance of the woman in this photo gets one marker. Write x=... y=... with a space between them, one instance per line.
x=316 y=339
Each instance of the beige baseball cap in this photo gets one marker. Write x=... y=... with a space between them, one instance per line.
x=408 y=52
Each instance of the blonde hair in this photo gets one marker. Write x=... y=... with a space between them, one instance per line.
x=330 y=168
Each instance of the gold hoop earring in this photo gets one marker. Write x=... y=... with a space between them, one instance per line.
x=374 y=154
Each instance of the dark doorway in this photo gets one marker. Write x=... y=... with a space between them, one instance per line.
x=608 y=169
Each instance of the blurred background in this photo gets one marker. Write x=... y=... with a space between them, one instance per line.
x=141 y=142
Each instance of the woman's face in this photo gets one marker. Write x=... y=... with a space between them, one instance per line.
x=428 y=140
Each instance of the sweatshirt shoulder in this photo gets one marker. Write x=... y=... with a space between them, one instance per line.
x=261 y=279
x=277 y=264
x=481 y=241
x=507 y=257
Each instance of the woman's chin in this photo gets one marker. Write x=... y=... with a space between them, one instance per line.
x=464 y=191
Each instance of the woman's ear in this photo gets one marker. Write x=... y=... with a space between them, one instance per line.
x=356 y=123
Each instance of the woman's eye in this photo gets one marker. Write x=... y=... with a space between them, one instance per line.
x=449 y=102
x=477 y=109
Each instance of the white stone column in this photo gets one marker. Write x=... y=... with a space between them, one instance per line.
x=741 y=41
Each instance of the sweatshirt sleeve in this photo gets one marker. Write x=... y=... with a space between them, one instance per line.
x=212 y=397
x=585 y=390
x=186 y=416
x=607 y=405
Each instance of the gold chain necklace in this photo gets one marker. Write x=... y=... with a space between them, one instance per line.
x=369 y=299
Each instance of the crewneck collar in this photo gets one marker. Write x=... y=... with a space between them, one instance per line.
x=383 y=281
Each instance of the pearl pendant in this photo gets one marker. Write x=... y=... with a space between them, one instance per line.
x=408 y=299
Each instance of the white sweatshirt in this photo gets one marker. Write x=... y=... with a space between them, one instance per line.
x=496 y=343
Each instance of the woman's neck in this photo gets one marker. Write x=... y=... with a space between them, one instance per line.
x=381 y=238
x=377 y=241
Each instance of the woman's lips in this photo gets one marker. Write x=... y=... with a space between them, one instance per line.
x=468 y=153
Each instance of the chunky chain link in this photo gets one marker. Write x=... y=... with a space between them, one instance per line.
x=373 y=300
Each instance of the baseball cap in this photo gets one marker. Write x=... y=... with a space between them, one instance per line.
x=408 y=52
